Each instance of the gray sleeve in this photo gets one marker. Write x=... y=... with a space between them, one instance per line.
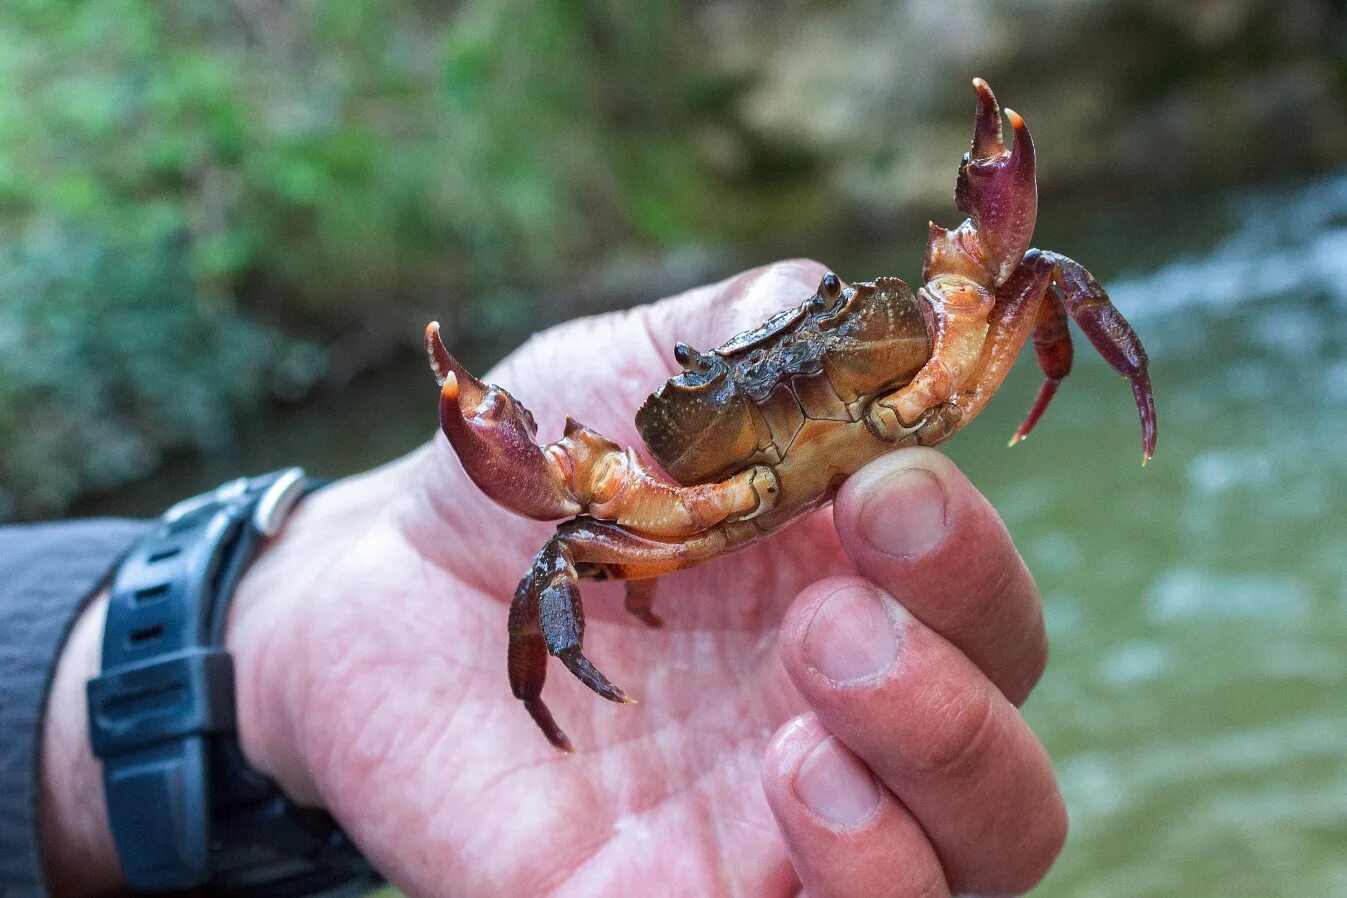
x=47 y=572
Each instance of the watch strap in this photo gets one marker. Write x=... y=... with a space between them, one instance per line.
x=184 y=806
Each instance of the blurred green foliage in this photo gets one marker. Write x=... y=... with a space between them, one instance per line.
x=105 y=358
x=206 y=203
x=183 y=183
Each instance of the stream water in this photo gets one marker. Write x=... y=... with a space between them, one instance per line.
x=1196 y=700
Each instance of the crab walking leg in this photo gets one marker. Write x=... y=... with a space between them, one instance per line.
x=1105 y=327
x=1052 y=348
x=546 y=616
x=526 y=657
x=583 y=472
x=640 y=580
x=640 y=602
x=1084 y=300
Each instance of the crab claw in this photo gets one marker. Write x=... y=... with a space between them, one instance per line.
x=493 y=435
x=997 y=186
x=470 y=389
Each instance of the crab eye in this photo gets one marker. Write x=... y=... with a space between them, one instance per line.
x=829 y=292
x=691 y=360
x=830 y=287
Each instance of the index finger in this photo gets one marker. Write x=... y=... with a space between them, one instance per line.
x=915 y=525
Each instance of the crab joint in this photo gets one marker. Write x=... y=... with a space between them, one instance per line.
x=762 y=481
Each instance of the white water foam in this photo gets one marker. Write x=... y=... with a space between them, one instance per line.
x=1287 y=241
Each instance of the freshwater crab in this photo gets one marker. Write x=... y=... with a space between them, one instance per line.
x=764 y=428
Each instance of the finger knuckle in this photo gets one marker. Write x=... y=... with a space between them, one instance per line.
x=999 y=623
x=1021 y=866
x=956 y=744
x=1053 y=841
x=984 y=597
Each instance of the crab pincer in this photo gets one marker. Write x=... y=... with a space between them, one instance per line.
x=493 y=435
x=997 y=187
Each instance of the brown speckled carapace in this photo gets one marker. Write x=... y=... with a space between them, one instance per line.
x=765 y=427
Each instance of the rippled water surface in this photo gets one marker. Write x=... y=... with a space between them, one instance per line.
x=1196 y=700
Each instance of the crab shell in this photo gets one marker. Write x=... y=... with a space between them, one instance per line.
x=790 y=394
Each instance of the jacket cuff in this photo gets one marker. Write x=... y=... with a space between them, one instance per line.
x=48 y=572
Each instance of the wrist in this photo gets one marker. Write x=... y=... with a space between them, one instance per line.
x=279 y=610
x=275 y=603
x=77 y=846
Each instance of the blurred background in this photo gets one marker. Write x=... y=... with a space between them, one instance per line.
x=224 y=224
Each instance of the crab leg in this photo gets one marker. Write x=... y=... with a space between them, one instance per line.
x=546 y=616
x=1052 y=348
x=1106 y=328
x=1025 y=302
x=640 y=602
x=583 y=472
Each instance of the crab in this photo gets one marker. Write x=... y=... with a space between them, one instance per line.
x=764 y=428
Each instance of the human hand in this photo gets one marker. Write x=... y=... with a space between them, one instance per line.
x=886 y=644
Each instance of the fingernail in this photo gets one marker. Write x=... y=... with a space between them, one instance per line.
x=853 y=635
x=906 y=516
x=836 y=786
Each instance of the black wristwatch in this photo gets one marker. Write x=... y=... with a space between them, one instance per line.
x=185 y=808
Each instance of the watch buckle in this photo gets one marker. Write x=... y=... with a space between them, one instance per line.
x=275 y=505
x=279 y=497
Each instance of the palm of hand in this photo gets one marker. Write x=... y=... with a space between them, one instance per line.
x=422 y=750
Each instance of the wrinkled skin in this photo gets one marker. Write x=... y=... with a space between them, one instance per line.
x=764 y=429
